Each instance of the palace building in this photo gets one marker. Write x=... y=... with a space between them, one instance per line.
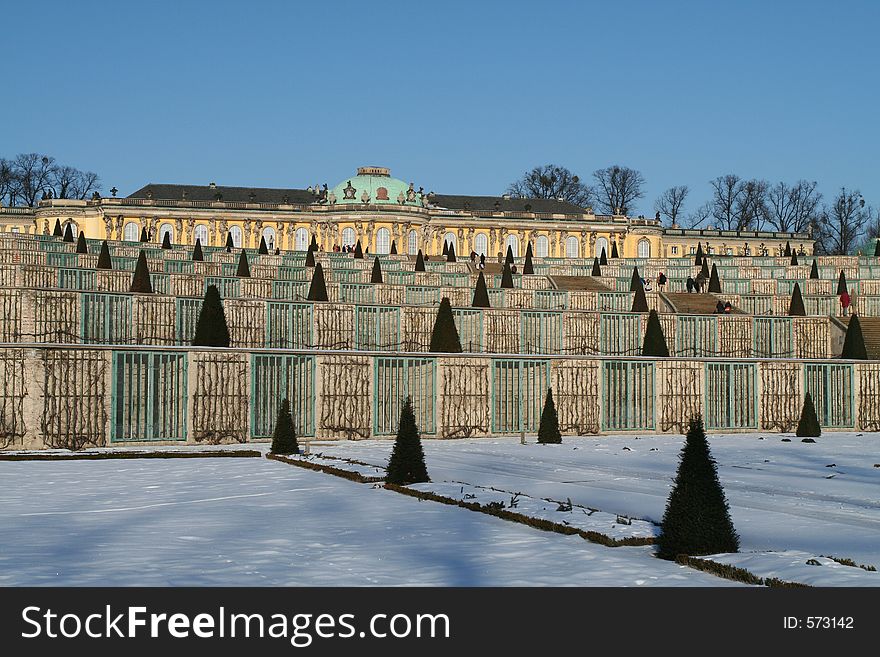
x=377 y=209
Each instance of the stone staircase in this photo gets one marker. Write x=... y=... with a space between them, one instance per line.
x=693 y=303
x=870 y=331
x=588 y=283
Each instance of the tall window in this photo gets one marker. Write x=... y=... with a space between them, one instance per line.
x=201 y=234
x=269 y=236
x=542 y=246
x=644 y=249
x=383 y=241
x=513 y=242
x=131 y=232
x=602 y=243
x=348 y=237
x=235 y=231
x=166 y=228
x=572 y=247
x=413 y=242
x=301 y=239
x=481 y=244
x=450 y=240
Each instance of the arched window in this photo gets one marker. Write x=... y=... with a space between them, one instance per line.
x=542 y=246
x=166 y=228
x=348 y=237
x=481 y=244
x=413 y=242
x=131 y=232
x=602 y=243
x=301 y=240
x=513 y=243
x=201 y=234
x=572 y=248
x=644 y=249
x=383 y=241
x=449 y=238
x=235 y=231
x=269 y=236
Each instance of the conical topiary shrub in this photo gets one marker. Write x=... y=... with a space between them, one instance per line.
x=229 y=243
x=787 y=251
x=877 y=248
x=58 y=231
x=166 y=240
x=104 y=261
x=140 y=282
x=603 y=257
x=284 y=435
x=528 y=267
x=445 y=251
x=655 y=341
x=263 y=250
x=393 y=248
x=450 y=254
x=68 y=233
x=841 y=283
x=81 y=246
x=407 y=462
x=310 y=258
x=705 y=269
x=444 y=337
x=698 y=257
x=854 y=341
x=640 y=301
x=506 y=276
x=614 y=251
x=244 y=269
x=635 y=280
x=313 y=245
x=420 y=262
x=358 y=251
x=597 y=271
x=814 y=271
x=794 y=260
x=376 y=275
x=144 y=236
x=211 y=327
x=317 y=288
x=548 y=429
x=509 y=257
x=697 y=518
x=198 y=256
x=714 y=281
x=808 y=425
x=481 y=294
x=796 y=307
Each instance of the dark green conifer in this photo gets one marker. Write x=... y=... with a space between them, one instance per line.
x=244 y=269
x=597 y=271
x=705 y=270
x=603 y=257
x=407 y=462
x=787 y=251
x=528 y=267
x=635 y=280
x=317 y=288
x=166 y=240
x=104 y=261
x=640 y=301
x=506 y=276
x=444 y=337
x=263 y=250
x=481 y=294
x=284 y=436
x=313 y=245
x=814 y=270
x=877 y=248
x=198 y=256
x=420 y=262
x=841 y=283
x=614 y=252
x=393 y=248
x=140 y=282
x=808 y=425
x=854 y=341
x=450 y=253
x=714 y=281
x=698 y=258
x=794 y=260
x=796 y=307
x=229 y=243
x=68 y=233
x=310 y=258
x=697 y=518
x=81 y=246
x=358 y=251
x=509 y=257
x=211 y=327
x=58 y=232
x=655 y=341
x=376 y=275
x=548 y=429
x=445 y=251
x=144 y=236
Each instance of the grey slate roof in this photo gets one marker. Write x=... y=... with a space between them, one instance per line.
x=501 y=204
x=229 y=194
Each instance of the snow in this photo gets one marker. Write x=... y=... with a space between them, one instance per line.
x=253 y=521
x=782 y=494
x=792 y=566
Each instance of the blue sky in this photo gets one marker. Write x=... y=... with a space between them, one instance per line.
x=460 y=97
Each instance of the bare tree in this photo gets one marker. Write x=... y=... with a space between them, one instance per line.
x=33 y=172
x=7 y=182
x=793 y=208
x=751 y=205
x=700 y=216
x=618 y=188
x=738 y=204
x=70 y=182
x=552 y=181
x=671 y=203
x=841 y=224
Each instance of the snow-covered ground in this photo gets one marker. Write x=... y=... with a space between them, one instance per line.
x=820 y=499
x=252 y=521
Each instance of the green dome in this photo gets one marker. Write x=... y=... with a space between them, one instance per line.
x=379 y=187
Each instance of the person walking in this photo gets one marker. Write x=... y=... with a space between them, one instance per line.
x=661 y=282
x=844 y=302
x=700 y=282
x=689 y=284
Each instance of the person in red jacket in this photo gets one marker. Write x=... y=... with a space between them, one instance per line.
x=844 y=301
